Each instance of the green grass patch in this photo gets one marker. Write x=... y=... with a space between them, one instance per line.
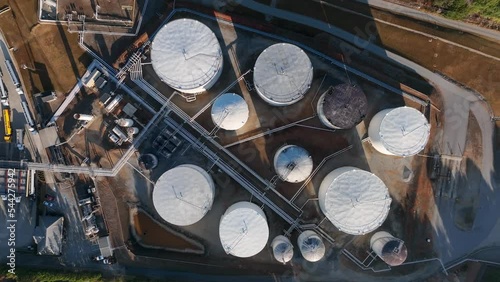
x=46 y=275
x=461 y=9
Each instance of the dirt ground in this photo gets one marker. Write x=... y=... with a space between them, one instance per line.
x=53 y=54
x=150 y=232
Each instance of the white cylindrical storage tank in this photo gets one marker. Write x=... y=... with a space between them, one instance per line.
x=183 y=195
x=355 y=201
x=293 y=163
x=187 y=56
x=124 y=122
x=282 y=74
x=390 y=249
x=243 y=230
x=282 y=249
x=83 y=117
x=230 y=111
x=342 y=106
x=311 y=246
x=132 y=131
x=401 y=131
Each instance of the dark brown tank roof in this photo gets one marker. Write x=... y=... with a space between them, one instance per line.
x=345 y=105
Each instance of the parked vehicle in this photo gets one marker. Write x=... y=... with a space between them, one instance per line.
x=48 y=204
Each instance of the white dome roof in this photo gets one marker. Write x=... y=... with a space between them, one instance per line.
x=230 y=111
x=355 y=201
x=282 y=249
x=183 y=195
x=293 y=163
x=402 y=131
x=243 y=230
x=187 y=56
x=311 y=246
x=282 y=74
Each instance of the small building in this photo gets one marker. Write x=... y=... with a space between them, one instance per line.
x=91 y=79
x=48 y=235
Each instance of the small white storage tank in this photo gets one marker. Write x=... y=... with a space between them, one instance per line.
x=83 y=117
x=230 y=111
x=243 y=230
x=282 y=249
x=282 y=74
x=124 y=122
x=186 y=55
x=132 y=131
x=311 y=246
x=342 y=106
x=355 y=201
x=390 y=249
x=293 y=163
x=401 y=131
x=184 y=194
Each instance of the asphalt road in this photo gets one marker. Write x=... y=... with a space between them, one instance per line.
x=452 y=243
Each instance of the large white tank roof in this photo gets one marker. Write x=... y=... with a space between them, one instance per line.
x=401 y=131
x=293 y=163
x=230 y=111
x=187 y=56
x=311 y=246
x=355 y=201
x=282 y=74
x=183 y=195
x=243 y=230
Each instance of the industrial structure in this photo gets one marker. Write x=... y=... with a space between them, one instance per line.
x=282 y=249
x=187 y=56
x=390 y=249
x=282 y=74
x=230 y=111
x=243 y=230
x=293 y=163
x=311 y=246
x=401 y=131
x=355 y=201
x=184 y=194
x=342 y=106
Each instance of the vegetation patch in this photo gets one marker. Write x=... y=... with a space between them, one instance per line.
x=465 y=9
x=46 y=275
